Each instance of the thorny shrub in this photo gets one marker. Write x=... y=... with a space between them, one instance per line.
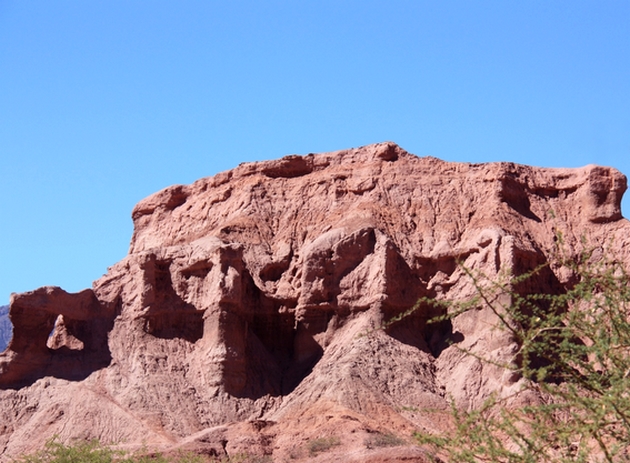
x=574 y=356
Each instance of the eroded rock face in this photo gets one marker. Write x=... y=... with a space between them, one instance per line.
x=245 y=316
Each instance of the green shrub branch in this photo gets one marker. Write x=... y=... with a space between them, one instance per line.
x=573 y=355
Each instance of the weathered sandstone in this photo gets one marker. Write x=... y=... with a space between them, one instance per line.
x=245 y=316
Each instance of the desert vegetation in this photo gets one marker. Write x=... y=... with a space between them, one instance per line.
x=322 y=444
x=95 y=452
x=573 y=364
x=383 y=440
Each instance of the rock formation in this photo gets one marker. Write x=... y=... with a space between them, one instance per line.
x=6 y=329
x=245 y=316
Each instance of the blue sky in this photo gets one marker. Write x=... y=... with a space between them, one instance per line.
x=105 y=102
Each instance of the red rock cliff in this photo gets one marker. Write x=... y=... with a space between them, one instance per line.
x=243 y=317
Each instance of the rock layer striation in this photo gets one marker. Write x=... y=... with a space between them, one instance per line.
x=245 y=317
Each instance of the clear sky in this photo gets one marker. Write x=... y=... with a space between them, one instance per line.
x=105 y=102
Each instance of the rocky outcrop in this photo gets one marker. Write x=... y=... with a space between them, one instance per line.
x=6 y=329
x=245 y=316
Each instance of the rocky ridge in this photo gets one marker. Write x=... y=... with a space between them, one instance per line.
x=245 y=316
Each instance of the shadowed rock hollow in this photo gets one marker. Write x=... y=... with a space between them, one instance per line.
x=244 y=316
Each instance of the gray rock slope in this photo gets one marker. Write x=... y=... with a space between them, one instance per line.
x=6 y=329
